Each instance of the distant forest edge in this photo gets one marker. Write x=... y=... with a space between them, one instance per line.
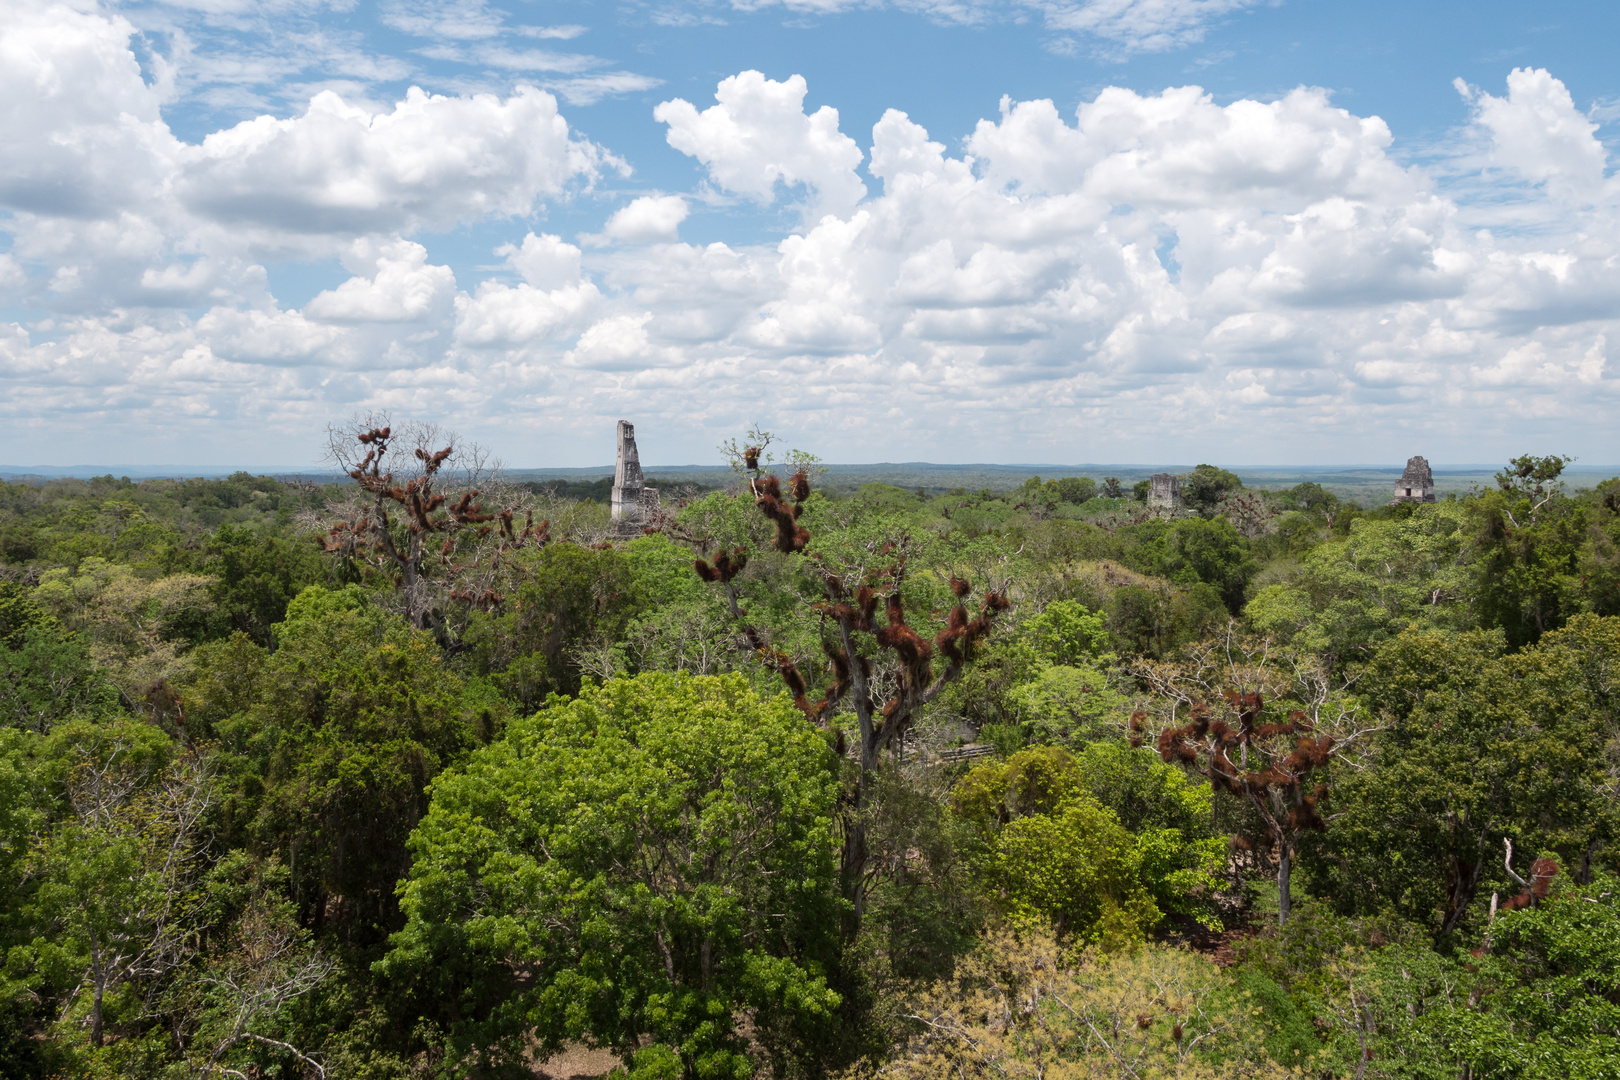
x=1366 y=484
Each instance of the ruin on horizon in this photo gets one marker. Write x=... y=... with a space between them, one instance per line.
x=1416 y=483
x=1164 y=492
x=633 y=501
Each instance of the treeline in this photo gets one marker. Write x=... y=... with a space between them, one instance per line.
x=429 y=774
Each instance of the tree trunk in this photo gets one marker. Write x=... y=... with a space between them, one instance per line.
x=95 y=1016
x=853 y=860
x=1464 y=882
x=98 y=980
x=1285 y=867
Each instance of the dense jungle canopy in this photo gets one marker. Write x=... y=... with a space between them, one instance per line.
x=430 y=774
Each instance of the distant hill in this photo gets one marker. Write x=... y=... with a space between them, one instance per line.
x=1366 y=484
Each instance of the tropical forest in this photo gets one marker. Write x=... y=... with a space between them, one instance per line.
x=417 y=769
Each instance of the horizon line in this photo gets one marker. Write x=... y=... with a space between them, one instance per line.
x=176 y=471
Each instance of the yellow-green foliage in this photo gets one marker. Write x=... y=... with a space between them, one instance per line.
x=1054 y=851
x=1022 y=1008
x=129 y=621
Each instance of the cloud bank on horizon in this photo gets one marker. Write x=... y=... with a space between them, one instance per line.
x=1153 y=275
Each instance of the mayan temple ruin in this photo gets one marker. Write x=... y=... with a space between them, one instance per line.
x=1165 y=492
x=633 y=501
x=1416 y=483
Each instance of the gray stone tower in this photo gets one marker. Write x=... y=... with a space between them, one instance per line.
x=633 y=500
x=1165 y=492
x=1416 y=483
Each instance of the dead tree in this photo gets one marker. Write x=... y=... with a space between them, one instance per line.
x=878 y=666
x=1209 y=716
x=1542 y=872
x=418 y=519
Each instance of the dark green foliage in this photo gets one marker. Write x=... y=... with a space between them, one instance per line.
x=46 y=673
x=344 y=726
x=1203 y=489
x=1312 y=498
x=258 y=575
x=888 y=499
x=1211 y=552
x=1480 y=744
x=1072 y=490
x=48 y=678
x=1153 y=622
x=1550 y=1001
x=20 y=613
x=1600 y=555
x=1077 y=489
x=574 y=597
x=1290 y=1037
x=924 y=908
x=1527 y=561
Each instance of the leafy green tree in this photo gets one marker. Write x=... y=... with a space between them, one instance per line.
x=1155 y=622
x=48 y=678
x=925 y=903
x=645 y=863
x=1344 y=996
x=1546 y=998
x=19 y=613
x=1533 y=480
x=347 y=723
x=1078 y=868
x=257 y=575
x=1076 y=489
x=1066 y=633
x=1143 y=792
x=1068 y=705
x=1048 y=679
x=1312 y=498
x=1203 y=489
x=24 y=812
x=572 y=598
x=1527 y=547
x=1141 y=489
x=1351 y=595
x=119 y=878
x=1208 y=551
x=1480 y=744
x=134 y=626
x=1056 y=851
x=1036 y=494
x=1600 y=555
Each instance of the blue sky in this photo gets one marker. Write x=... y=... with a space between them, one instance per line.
x=1374 y=230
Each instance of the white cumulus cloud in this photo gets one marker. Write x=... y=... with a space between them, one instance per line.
x=649 y=219
x=1143 y=277
x=402 y=287
x=431 y=162
x=757 y=135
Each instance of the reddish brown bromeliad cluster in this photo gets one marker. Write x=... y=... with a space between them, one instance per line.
x=369 y=536
x=1221 y=750
x=854 y=612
